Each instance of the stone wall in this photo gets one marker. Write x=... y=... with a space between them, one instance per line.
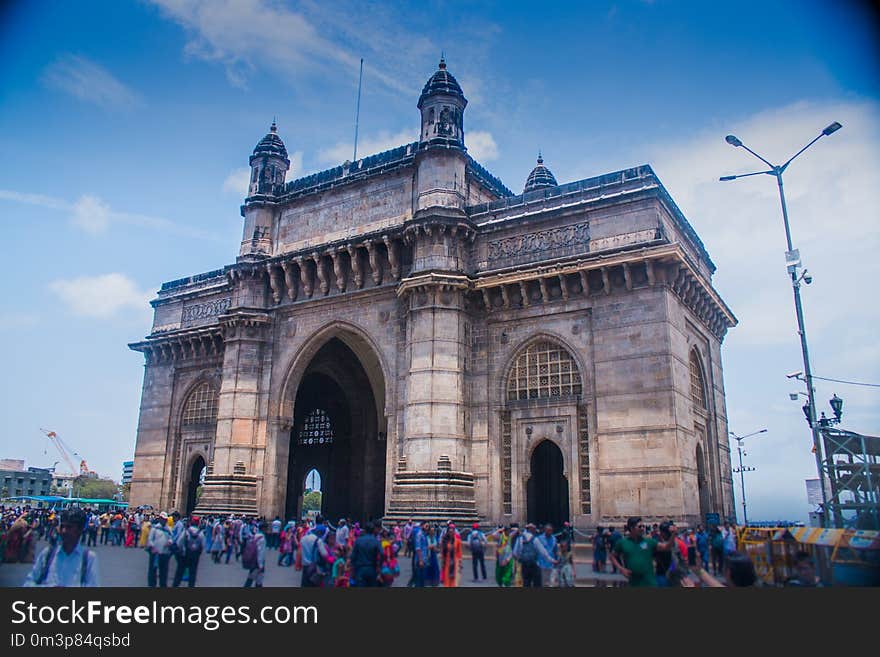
x=353 y=209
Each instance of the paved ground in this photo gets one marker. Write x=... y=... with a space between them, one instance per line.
x=127 y=567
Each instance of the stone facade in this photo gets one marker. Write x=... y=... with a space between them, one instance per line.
x=438 y=347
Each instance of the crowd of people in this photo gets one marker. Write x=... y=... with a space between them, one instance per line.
x=661 y=557
x=350 y=554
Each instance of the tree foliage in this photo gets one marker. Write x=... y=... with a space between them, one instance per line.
x=312 y=501
x=90 y=487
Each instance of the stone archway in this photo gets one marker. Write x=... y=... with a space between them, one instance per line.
x=547 y=489
x=337 y=430
x=195 y=477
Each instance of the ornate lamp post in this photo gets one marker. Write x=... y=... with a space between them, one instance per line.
x=742 y=470
x=793 y=264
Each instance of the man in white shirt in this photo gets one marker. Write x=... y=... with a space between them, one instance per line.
x=68 y=563
x=275 y=534
x=342 y=533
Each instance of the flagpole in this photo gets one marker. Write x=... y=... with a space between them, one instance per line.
x=357 y=116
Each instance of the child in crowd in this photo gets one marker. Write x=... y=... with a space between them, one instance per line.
x=566 y=565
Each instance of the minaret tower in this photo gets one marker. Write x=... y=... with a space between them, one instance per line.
x=431 y=480
x=442 y=154
x=269 y=165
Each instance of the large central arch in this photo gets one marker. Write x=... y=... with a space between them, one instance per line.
x=337 y=428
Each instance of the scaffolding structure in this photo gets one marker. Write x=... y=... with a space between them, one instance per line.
x=852 y=466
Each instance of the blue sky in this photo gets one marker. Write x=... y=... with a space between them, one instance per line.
x=125 y=128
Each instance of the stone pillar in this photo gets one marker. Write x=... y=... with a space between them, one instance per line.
x=240 y=442
x=433 y=485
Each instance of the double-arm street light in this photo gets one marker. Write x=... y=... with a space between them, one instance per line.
x=742 y=470
x=793 y=264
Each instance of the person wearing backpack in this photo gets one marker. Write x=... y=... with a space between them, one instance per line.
x=314 y=558
x=253 y=555
x=159 y=548
x=477 y=544
x=527 y=552
x=67 y=563
x=190 y=545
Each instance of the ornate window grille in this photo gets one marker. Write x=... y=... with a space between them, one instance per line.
x=584 y=449
x=544 y=369
x=698 y=383
x=316 y=430
x=201 y=407
x=506 y=463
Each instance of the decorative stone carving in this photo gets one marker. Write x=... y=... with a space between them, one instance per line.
x=541 y=241
x=393 y=260
x=356 y=266
x=375 y=266
x=339 y=271
x=322 y=275
x=289 y=280
x=274 y=282
x=205 y=310
x=308 y=285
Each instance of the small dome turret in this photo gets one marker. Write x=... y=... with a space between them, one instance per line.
x=271 y=144
x=442 y=106
x=540 y=178
x=441 y=82
x=269 y=164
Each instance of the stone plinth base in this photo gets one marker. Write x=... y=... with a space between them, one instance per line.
x=228 y=494
x=434 y=496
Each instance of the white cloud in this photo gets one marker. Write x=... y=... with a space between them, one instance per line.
x=91 y=214
x=101 y=296
x=481 y=146
x=34 y=199
x=834 y=205
x=296 y=165
x=336 y=155
x=87 y=81
x=245 y=34
x=237 y=182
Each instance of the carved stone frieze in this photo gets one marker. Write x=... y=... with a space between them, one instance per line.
x=206 y=310
x=540 y=241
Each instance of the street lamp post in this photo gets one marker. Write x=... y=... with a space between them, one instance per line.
x=742 y=470
x=793 y=263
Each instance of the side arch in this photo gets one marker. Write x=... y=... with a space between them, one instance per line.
x=190 y=438
x=548 y=489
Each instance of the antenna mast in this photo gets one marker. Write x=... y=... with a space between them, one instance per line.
x=357 y=116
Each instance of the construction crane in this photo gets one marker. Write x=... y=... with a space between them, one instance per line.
x=65 y=451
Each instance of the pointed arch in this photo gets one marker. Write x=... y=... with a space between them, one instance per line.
x=364 y=347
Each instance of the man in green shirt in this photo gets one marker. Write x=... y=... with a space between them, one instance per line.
x=633 y=555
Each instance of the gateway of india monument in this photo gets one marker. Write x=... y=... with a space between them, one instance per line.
x=439 y=347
